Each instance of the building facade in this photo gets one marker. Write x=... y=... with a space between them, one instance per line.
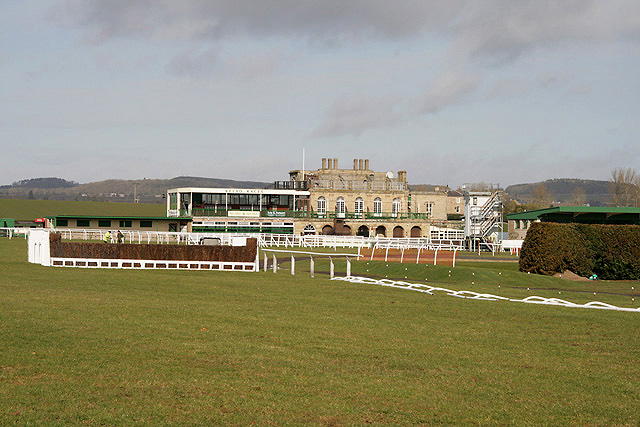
x=329 y=200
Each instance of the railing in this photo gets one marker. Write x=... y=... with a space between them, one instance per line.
x=291 y=185
x=14 y=231
x=266 y=239
x=317 y=241
x=248 y=213
x=360 y=185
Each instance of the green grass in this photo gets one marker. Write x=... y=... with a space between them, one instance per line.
x=119 y=347
x=29 y=209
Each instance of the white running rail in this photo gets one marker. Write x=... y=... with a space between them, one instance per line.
x=479 y=296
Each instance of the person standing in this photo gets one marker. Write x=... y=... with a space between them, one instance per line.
x=107 y=237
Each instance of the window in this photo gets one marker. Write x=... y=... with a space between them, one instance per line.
x=104 y=223
x=396 y=207
x=146 y=223
x=322 y=206
x=377 y=207
x=457 y=209
x=125 y=223
x=429 y=209
x=173 y=201
x=83 y=223
x=340 y=206
x=62 y=222
x=475 y=201
x=359 y=207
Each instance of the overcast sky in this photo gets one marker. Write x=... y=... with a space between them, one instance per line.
x=452 y=91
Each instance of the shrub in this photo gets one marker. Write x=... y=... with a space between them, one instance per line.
x=610 y=251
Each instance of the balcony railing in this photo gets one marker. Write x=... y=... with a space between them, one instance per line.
x=304 y=214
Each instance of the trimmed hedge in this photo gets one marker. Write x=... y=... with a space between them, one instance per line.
x=60 y=249
x=610 y=251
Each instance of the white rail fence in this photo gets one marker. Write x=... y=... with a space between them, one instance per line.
x=11 y=232
x=311 y=255
x=269 y=240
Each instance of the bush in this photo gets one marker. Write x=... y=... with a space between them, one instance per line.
x=610 y=251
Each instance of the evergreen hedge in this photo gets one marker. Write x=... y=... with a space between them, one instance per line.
x=610 y=251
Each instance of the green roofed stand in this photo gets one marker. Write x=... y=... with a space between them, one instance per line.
x=581 y=214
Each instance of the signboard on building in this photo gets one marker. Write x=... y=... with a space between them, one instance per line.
x=244 y=214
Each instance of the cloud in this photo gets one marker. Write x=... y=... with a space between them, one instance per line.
x=194 y=64
x=352 y=115
x=448 y=89
x=491 y=30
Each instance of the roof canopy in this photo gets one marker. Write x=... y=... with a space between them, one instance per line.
x=581 y=214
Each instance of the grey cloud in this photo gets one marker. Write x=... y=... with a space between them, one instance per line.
x=194 y=64
x=493 y=30
x=351 y=115
x=448 y=89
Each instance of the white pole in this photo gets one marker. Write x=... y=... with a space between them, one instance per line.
x=293 y=265
x=348 y=267
x=331 y=271
x=311 y=265
x=275 y=263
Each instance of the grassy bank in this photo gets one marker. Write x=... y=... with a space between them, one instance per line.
x=29 y=209
x=123 y=347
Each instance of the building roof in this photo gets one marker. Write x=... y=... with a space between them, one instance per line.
x=117 y=217
x=582 y=214
x=238 y=191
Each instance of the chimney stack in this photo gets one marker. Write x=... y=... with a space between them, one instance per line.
x=366 y=164
x=360 y=164
x=335 y=163
x=402 y=176
x=324 y=163
x=329 y=163
x=355 y=164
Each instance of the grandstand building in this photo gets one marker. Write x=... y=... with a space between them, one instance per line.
x=329 y=200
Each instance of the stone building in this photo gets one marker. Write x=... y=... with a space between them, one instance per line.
x=364 y=202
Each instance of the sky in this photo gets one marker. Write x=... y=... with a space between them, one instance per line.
x=453 y=92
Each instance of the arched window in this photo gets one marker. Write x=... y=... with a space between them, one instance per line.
x=322 y=207
x=340 y=207
x=359 y=207
x=396 y=207
x=377 y=207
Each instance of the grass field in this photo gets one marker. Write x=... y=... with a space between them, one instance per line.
x=29 y=209
x=122 y=347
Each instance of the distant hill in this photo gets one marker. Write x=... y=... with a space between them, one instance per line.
x=596 y=193
x=145 y=190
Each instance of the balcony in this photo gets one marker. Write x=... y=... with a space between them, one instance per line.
x=373 y=216
x=291 y=185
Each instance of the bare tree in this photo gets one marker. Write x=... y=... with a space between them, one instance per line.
x=578 y=197
x=624 y=187
x=542 y=197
